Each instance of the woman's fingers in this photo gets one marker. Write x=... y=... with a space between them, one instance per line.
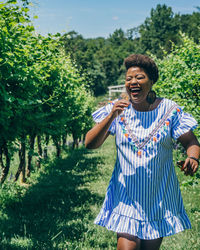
x=195 y=168
x=119 y=106
x=184 y=167
x=190 y=167
x=122 y=103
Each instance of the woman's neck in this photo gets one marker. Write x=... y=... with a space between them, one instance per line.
x=144 y=106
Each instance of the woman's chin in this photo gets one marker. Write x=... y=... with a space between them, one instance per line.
x=137 y=99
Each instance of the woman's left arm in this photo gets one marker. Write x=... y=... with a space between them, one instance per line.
x=192 y=147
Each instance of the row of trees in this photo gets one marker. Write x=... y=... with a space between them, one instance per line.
x=42 y=95
x=102 y=59
x=179 y=77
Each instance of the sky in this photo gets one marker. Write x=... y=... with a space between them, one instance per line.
x=98 y=18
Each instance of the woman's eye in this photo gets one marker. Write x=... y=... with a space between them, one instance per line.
x=139 y=77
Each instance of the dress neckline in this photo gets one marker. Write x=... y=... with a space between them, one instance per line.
x=149 y=111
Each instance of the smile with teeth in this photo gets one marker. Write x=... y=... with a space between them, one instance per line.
x=135 y=90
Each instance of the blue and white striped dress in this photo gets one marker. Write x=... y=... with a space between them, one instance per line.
x=143 y=197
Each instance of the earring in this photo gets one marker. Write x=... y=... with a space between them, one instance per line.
x=151 y=97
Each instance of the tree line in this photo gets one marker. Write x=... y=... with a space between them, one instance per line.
x=43 y=96
x=102 y=58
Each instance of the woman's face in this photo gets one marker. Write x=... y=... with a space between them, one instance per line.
x=137 y=84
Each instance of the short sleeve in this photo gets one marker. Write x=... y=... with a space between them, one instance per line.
x=182 y=123
x=101 y=114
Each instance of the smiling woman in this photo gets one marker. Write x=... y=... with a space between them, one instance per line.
x=141 y=74
x=143 y=202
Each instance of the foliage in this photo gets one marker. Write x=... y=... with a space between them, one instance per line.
x=189 y=24
x=42 y=92
x=82 y=53
x=179 y=76
x=159 y=30
x=101 y=59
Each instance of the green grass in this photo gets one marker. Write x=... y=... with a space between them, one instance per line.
x=57 y=210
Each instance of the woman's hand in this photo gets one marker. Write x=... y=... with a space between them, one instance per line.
x=190 y=166
x=98 y=134
x=191 y=144
x=119 y=107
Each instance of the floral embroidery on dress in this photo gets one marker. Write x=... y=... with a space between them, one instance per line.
x=153 y=137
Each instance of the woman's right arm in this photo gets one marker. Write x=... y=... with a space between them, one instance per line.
x=97 y=135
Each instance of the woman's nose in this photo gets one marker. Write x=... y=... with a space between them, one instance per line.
x=134 y=81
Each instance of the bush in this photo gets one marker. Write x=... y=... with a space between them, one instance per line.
x=180 y=76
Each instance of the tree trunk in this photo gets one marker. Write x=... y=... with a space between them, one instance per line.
x=39 y=145
x=57 y=142
x=64 y=140
x=5 y=168
x=75 y=142
x=83 y=142
x=1 y=157
x=30 y=153
x=22 y=161
x=45 y=147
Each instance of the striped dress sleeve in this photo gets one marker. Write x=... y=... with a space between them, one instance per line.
x=182 y=123
x=101 y=114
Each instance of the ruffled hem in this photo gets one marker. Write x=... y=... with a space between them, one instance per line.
x=147 y=230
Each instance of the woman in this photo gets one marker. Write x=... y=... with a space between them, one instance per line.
x=143 y=202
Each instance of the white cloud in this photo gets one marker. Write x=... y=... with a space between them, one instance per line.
x=115 y=18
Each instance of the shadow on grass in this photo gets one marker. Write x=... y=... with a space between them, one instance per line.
x=55 y=209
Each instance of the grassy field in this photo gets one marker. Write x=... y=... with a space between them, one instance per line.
x=57 y=209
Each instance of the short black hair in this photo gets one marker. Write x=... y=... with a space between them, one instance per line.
x=144 y=62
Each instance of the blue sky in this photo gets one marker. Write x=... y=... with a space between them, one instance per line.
x=92 y=18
